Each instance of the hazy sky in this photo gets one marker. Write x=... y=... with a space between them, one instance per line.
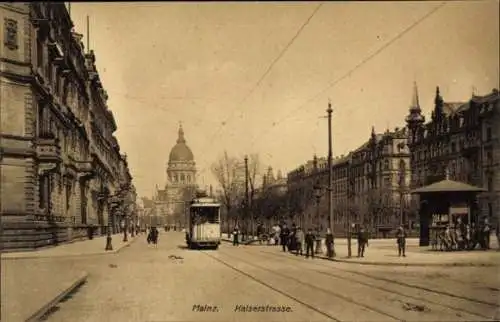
x=162 y=63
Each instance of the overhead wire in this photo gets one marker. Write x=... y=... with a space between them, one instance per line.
x=264 y=75
x=267 y=71
x=351 y=71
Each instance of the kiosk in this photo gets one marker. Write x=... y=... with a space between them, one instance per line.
x=443 y=203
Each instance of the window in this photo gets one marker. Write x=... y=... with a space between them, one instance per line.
x=490 y=182
x=453 y=147
x=386 y=165
x=39 y=53
x=488 y=134
x=203 y=215
x=489 y=157
x=68 y=194
x=43 y=190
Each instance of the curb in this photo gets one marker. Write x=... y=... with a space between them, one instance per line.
x=46 y=308
x=100 y=253
x=379 y=263
x=453 y=264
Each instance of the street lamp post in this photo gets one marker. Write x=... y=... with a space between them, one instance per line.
x=317 y=192
x=330 y=173
x=350 y=196
x=125 y=236
x=247 y=201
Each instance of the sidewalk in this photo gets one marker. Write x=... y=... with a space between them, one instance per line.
x=33 y=282
x=95 y=246
x=32 y=288
x=384 y=252
x=416 y=256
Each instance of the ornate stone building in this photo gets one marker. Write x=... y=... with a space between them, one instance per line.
x=370 y=186
x=59 y=158
x=463 y=139
x=171 y=202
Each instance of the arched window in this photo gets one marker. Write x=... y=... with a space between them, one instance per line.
x=386 y=165
x=182 y=177
x=175 y=178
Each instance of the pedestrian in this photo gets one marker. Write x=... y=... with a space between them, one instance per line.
x=260 y=232
x=329 y=243
x=497 y=232
x=299 y=241
x=154 y=236
x=401 y=240
x=310 y=237
x=362 y=242
x=276 y=234
x=486 y=234
x=235 y=236
x=285 y=232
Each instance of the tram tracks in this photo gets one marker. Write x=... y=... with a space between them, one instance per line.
x=387 y=284
x=383 y=279
x=270 y=286
x=357 y=300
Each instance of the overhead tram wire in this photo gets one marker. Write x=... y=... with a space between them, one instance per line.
x=268 y=70
x=352 y=70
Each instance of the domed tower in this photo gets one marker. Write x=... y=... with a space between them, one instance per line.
x=181 y=181
x=181 y=170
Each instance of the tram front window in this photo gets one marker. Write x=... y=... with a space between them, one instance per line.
x=204 y=215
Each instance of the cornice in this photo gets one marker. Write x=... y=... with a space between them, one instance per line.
x=25 y=79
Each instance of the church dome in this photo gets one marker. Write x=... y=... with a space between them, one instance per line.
x=181 y=152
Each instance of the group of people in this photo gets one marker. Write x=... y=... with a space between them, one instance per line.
x=461 y=236
x=296 y=241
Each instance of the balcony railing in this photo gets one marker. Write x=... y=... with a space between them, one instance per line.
x=48 y=150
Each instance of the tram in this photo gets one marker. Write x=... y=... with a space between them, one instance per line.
x=203 y=229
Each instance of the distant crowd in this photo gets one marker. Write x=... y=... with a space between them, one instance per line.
x=461 y=236
x=298 y=241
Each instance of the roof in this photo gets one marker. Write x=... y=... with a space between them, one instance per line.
x=448 y=186
x=181 y=152
x=450 y=108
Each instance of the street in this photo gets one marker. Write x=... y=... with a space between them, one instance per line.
x=260 y=283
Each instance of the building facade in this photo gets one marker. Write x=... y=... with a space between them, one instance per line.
x=59 y=158
x=171 y=202
x=370 y=187
x=461 y=140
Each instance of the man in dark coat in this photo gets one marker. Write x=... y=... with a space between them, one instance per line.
x=329 y=243
x=401 y=240
x=310 y=237
x=285 y=232
x=362 y=242
x=236 y=233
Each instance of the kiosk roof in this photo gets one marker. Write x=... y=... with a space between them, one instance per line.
x=448 y=186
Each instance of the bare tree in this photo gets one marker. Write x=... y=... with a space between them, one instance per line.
x=227 y=171
x=254 y=172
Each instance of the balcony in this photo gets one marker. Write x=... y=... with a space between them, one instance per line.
x=48 y=150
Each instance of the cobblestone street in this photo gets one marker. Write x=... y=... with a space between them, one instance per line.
x=171 y=283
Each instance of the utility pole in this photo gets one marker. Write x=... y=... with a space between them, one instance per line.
x=247 y=204
x=330 y=174
x=350 y=196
